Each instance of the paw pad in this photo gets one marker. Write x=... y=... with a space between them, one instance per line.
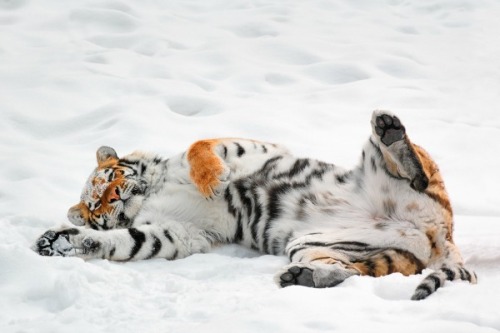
x=53 y=243
x=296 y=275
x=389 y=129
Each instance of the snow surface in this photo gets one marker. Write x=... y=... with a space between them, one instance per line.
x=157 y=75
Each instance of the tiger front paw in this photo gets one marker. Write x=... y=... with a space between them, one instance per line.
x=55 y=243
x=66 y=243
x=211 y=182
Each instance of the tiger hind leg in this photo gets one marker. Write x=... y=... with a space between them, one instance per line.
x=323 y=267
x=400 y=156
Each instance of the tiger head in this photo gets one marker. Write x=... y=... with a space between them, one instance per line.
x=112 y=195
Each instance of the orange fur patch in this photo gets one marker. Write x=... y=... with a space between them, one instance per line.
x=411 y=207
x=82 y=210
x=391 y=165
x=206 y=166
x=323 y=255
x=389 y=262
x=436 y=189
x=432 y=235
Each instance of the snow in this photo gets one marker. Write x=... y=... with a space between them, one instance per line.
x=157 y=75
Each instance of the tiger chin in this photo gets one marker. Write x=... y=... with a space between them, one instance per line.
x=389 y=214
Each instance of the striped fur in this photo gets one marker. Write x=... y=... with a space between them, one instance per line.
x=389 y=214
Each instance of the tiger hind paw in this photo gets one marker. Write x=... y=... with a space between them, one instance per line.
x=316 y=276
x=387 y=127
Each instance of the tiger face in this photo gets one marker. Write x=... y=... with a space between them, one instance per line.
x=112 y=195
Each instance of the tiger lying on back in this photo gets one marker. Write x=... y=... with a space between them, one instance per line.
x=389 y=214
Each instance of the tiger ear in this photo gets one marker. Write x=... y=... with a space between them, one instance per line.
x=76 y=214
x=104 y=154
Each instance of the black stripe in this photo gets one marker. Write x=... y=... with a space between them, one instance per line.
x=257 y=212
x=157 y=160
x=127 y=163
x=229 y=199
x=264 y=149
x=435 y=280
x=174 y=256
x=300 y=165
x=443 y=201
x=343 y=177
x=390 y=264
x=466 y=273
x=294 y=251
x=342 y=246
x=112 y=252
x=238 y=235
x=462 y=275
x=318 y=173
x=269 y=165
x=353 y=243
x=155 y=249
x=371 y=266
x=424 y=288
x=354 y=247
x=169 y=237
x=321 y=244
x=104 y=224
x=450 y=275
x=240 y=150
x=70 y=231
x=374 y=164
x=411 y=257
x=242 y=191
x=139 y=238
x=274 y=209
x=224 y=151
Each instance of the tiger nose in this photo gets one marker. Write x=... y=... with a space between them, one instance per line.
x=114 y=195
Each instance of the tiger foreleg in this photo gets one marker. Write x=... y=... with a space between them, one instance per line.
x=170 y=241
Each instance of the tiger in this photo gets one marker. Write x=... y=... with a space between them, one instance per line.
x=389 y=214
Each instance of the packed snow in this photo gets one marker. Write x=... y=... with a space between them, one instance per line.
x=157 y=75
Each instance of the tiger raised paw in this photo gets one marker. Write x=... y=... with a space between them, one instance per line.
x=390 y=213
